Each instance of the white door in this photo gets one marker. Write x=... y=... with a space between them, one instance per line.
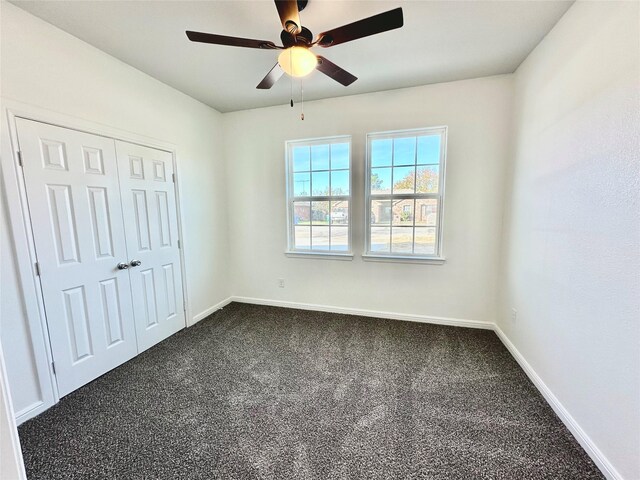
x=149 y=207
x=74 y=200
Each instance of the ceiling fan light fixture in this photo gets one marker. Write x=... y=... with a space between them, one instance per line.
x=297 y=61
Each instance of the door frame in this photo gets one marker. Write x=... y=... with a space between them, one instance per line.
x=23 y=240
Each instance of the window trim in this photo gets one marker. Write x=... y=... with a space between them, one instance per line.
x=291 y=251
x=437 y=257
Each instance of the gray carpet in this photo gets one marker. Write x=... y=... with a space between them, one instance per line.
x=264 y=392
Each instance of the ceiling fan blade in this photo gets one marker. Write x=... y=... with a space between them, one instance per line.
x=231 y=41
x=332 y=70
x=272 y=77
x=362 y=28
x=289 y=15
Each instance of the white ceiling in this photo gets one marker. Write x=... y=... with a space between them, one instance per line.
x=440 y=41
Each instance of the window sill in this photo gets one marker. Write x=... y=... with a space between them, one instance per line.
x=320 y=255
x=403 y=259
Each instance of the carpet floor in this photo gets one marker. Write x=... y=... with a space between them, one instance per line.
x=265 y=392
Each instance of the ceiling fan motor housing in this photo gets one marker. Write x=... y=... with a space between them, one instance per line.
x=302 y=39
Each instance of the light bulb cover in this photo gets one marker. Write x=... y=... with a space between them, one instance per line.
x=297 y=61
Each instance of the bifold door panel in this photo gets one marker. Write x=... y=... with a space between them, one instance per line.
x=74 y=201
x=148 y=203
x=89 y=222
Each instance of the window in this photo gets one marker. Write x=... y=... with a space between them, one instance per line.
x=319 y=195
x=405 y=193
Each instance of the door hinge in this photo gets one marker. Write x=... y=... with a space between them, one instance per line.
x=53 y=367
x=173 y=176
x=19 y=157
x=37 y=265
x=179 y=244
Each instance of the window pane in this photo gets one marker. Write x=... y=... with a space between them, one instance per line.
x=425 y=241
x=320 y=157
x=319 y=238
x=428 y=178
x=340 y=182
x=339 y=156
x=320 y=183
x=320 y=213
x=340 y=212
x=402 y=240
x=302 y=237
x=380 y=212
x=426 y=212
x=403 y=166
x=320 y=171
x=381 y=153
x=403 y=212
x=301 y=159
x=339 y=238
x=301 y=184
x=380 y=239
x=301 y=213
x=380 y=180
x=403 y=179
x=429 y=149
x=404 y=151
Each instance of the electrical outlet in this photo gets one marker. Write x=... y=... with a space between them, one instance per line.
x=514 y=314
x=281 y=282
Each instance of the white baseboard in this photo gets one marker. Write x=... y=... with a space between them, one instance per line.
x=210 y=310
x=583 y=439
x=30 y=411
x=409 y=317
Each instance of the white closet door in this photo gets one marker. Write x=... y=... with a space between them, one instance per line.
x=74 y=200
x=149 y=208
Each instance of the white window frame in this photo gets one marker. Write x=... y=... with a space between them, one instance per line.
x=309 y=253
x=438 y=256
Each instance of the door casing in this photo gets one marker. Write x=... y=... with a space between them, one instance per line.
x=23 y=240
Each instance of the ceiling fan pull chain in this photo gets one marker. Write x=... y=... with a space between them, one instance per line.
x=301 y=100
x=291 y=77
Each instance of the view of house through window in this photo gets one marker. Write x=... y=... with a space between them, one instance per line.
x=319 y=195
x=406 y=171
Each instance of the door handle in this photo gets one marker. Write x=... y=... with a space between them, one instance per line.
x=135 y=263
x=122 y=266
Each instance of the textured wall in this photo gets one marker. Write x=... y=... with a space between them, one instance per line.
x=477 y=113
x=572 y=231
x=11 y=467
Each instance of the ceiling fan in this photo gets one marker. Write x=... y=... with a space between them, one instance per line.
x=296 y=58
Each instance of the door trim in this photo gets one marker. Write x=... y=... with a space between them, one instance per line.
x=23 y=240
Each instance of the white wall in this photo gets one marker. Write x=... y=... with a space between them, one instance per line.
x=11 y=465
x=47 y=68
x=477 y=113
x=572 y=232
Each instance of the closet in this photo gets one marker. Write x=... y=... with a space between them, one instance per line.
x=105 y=227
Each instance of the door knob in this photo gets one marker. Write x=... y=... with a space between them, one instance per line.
x=122 y=266
x=135 y=263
